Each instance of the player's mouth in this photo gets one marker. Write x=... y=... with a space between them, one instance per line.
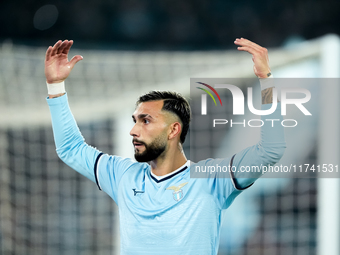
x=137 y=144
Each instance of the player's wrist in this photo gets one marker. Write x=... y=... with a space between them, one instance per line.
x=267 y=82
x=55 y=89
x=264 y=75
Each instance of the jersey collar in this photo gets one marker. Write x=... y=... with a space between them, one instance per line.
x=169 y=175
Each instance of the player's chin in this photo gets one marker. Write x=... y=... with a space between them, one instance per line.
x=139 y=149
x=140 y=157
x=139 y=154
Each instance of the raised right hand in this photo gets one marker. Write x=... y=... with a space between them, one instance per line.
x=57 y=66
x=260 y=56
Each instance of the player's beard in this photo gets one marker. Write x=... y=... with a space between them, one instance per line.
x=152 y=150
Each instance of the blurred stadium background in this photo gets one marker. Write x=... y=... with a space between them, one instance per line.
x=131 y=47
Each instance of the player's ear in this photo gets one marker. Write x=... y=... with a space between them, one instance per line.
x=175 y=130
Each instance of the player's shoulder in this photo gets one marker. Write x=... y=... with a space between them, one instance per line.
x=122 y=164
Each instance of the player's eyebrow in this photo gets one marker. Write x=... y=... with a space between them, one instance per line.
x=142 y=116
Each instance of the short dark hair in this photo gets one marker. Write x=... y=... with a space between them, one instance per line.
x=172 y=102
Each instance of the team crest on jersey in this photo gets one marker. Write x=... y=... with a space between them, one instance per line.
x=178 y=193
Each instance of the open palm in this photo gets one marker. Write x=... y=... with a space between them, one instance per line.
x=260 y=56
x=57 y=66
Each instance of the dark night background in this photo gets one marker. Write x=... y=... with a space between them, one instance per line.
x=175 y=24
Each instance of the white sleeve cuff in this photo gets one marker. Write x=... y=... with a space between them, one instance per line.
x=56 y=88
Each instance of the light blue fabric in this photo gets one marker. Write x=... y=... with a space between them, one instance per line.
x=154 y=219
x=268 y=151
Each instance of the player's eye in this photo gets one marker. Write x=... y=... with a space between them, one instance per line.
x=146 y=121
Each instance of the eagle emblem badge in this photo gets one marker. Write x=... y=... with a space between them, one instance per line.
x=177 y=192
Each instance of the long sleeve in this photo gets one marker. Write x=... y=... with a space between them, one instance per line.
x=70 y=144
x=268 y=151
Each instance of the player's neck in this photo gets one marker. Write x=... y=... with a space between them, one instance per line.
x=169 y=163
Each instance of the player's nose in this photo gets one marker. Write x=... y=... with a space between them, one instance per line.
x=134 y=131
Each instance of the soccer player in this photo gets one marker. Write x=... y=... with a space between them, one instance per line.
x=161 y=209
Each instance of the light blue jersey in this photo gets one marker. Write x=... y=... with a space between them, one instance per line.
x=173 y=214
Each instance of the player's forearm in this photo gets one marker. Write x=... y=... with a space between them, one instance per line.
x=267 y=89
x=70 y=144
x=270 y=148
x=272 y=132
x=267 y=96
